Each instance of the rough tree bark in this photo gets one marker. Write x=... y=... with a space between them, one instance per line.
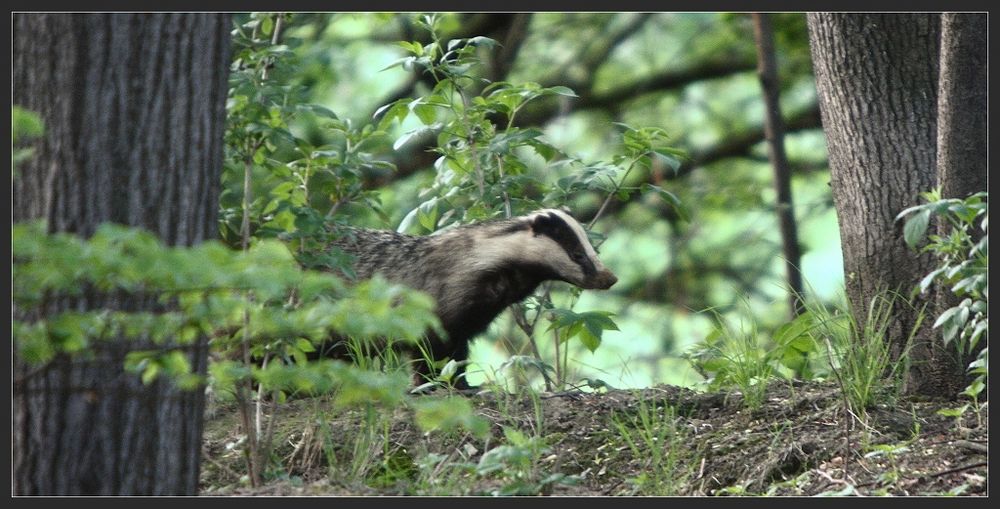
x=961 y=165
x=877 y=76
x=962 y=105
x=134 y=112
x=774 y=129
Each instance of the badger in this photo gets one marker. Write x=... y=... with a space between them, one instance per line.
x=476 y=271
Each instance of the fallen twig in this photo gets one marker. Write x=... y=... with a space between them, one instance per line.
x=972 y=446
x=959 y=469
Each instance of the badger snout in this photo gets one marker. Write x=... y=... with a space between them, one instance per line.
x=603 y=280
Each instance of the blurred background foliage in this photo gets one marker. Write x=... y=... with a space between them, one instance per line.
x=691 y=74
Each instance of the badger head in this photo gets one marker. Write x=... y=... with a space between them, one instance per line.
x=553 y=240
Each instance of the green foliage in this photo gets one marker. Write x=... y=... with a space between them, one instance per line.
x=443 y=371
x=24 y=126
x=736 y=356
x=233 y=297
x=820 y=342
x=798 y=349
x=370 y=450
x=512 y=468
x=201 y=291
x=481 y=172
x=746 y=356
x=449 y=413
x=519 y=465
x=588 y=326
x=861 y=355
x=963 y=262
x=891 y=453
x=653 y=436
x=516 y=465
x=520 y=368
x=291 y=185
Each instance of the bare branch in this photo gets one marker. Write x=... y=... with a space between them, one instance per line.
x=505 y=57
x=667 y=80
x=774 y=130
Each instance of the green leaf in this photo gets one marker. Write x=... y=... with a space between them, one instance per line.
x=405 y=138
x=547 y=151
x=561 y=90
x=951 y=321
x=667 y=156
x=915 y=228
x=427 y=215
x=485 y=42
x=975 y=388
x=928 y=280
x=953 y=412
x=449 y=370
x=670 y=198
x=447 y=414
x=909 y=211
x=24 y=124
x=977 y=332
x=426 y=113
x=150 y=373
x=175 y=363
x=789 y=333
x=394 y=110
x=32 y=343
x=319 y=110
x=267 y=25
x=969 y=284
x=589 y=339
x=415 y=48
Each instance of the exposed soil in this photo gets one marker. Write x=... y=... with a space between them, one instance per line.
x=800 y=442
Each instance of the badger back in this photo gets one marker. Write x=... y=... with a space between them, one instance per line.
x=395 y=256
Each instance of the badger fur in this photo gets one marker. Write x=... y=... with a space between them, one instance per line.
x=474 y=272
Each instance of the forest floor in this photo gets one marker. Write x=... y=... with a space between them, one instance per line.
x=658 y=441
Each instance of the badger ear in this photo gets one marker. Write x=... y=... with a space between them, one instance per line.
x=541 y=223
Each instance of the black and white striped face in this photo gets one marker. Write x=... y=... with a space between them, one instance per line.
x=555 y=240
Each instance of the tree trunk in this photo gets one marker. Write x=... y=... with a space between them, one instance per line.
x=774 y=131
x=134 y=112
x=877 y=75
x=962 y=105
x=961 y=168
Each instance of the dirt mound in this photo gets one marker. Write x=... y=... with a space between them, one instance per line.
x=657 y=441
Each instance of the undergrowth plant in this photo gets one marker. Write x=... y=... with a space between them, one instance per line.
x=370 y=448
x=860 y=354
x=654 y=437
x=24 y=126
x=823 y=341
x=522 y=463
x=517 y=465
x=736 y=355
x=962 y=254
